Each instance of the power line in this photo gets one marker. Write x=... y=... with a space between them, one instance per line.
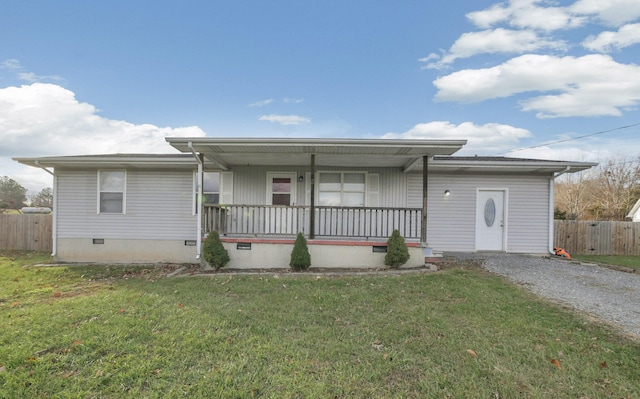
x=575 y=138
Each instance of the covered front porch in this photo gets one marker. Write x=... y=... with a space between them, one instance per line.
x=346 y=196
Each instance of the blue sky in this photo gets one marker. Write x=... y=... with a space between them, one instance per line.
x=118 y=76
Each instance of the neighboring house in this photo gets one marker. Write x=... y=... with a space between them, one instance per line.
x=345 y=195
x=634 y=213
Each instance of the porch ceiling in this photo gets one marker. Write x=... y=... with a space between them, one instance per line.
x=227 y=152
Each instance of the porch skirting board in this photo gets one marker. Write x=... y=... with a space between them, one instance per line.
x=276 y=254
x=108 y=250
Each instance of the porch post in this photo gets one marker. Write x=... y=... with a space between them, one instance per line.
x=425 y=186
x=200 y=209
x=312 y=215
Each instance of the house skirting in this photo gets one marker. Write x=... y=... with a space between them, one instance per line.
x=245 y=253
x=107 y=250
x=270 y=254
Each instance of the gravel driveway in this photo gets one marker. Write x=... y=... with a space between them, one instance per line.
x=609 y=295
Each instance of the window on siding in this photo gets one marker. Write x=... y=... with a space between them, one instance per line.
x=211 y=187
x=341 y=189
x=111 y=187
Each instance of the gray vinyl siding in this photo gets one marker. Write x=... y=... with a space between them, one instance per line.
x=159 y=205
x=451 y=220
x=250 y=188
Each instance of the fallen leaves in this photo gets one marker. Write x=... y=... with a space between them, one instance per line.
x=472 y=352
x=556 y=363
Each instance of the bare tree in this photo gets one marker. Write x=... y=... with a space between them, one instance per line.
x=44 y=198
x=573 y=195
x=615 y=189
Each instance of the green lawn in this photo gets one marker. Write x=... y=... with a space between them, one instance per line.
x=84 y=332
x=619 y=260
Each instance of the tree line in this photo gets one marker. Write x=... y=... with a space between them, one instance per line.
x=606 y=192
x=15 y=196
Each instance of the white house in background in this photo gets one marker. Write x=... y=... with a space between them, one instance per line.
x=345 y=195
x=634 y=213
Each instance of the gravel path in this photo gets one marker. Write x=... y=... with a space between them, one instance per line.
x=609 y=295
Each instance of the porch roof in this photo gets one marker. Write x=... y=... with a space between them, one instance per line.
x=227 y=152
x=505 y=164
x=123 y=161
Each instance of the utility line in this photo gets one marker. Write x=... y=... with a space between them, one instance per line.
x=575 y=138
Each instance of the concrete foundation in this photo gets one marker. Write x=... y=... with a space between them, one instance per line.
x=272 y=254
x=124 y=251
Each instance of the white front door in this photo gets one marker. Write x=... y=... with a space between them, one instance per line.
x=490 y=220
x=281 y=191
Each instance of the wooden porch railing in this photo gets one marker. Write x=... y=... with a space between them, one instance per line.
x=336 y=222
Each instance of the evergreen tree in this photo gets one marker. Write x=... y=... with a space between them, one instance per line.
x=397 y=251
x=300 y=257
x=12 y=194
x=214 y=252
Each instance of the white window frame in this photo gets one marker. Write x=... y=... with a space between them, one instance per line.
x=195 y=188
x=342 y=190
x=124 y=192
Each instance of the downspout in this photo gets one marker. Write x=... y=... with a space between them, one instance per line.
x=54 y=221
x=552 y=208
x=425 y=205
x=198 y=201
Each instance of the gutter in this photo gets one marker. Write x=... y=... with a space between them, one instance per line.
x=198 y=200
x=552 y=208
x=54 y=227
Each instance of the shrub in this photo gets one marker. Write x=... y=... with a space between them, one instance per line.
x=397 y=251
x=300 y=257
x=214 y=252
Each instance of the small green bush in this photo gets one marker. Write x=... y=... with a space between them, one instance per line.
x=397 y=251
x=214 y=252
x=300 y=257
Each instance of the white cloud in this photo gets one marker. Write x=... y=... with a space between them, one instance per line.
x=494 y=41
x=261 y=103
x=46 y=119
x=611 y=12
x=288 y=100
x=285 y=119
x=29 y=77
x=11 y=64
x=592 y=85
x=487 y=138
x=526 y=14
x=605 y=42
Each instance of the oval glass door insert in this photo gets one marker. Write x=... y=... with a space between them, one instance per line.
x=489 y=212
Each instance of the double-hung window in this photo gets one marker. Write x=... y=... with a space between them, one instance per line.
x=342 y=189
x=111 y=191
x=211 y=187
x=211 y=183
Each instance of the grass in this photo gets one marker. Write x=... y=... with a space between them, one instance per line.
x=618 y=260
x=105 y=332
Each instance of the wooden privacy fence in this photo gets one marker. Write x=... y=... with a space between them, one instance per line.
x=598 y=238
x=26 y=232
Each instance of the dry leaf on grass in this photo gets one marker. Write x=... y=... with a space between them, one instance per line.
x=556 y=363
x=472 y=353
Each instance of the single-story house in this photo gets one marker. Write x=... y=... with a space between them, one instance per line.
x=345 y=195
x=634 y=213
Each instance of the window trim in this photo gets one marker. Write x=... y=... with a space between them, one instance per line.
x=195 y=189
x=124 y=192
x=342 y=191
